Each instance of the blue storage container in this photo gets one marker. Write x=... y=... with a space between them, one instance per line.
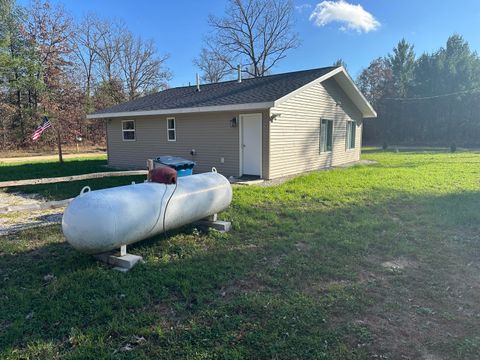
x=183 y=166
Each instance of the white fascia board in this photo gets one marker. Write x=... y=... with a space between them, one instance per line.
x=348 y=86
x=352 y=91
x=202 y=109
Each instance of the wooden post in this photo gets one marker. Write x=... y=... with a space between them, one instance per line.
x=150 y=166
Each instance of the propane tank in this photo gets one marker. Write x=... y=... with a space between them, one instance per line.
x=103 y=220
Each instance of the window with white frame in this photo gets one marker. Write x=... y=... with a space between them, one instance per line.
x=351 y=130
x=171 y=130
x=128 y=130
x=326 y=135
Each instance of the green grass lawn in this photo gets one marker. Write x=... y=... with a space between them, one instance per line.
x=299 y=276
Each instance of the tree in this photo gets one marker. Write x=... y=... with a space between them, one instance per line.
x=143 y=71
x=432 y=100
x=402 y=63
x=450 y=80
x=109 y=93
x=50 y=65
x=109 y=47
x=19 y=68
x=340 y=62
x=259 y=32
x=50 y=29
x=213 y=69
x=376 y=83
x=85 y=44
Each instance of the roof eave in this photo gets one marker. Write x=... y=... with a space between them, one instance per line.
x=200 y=109
x=350 y=88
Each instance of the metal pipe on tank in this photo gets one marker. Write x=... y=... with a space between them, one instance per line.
x=103 y=220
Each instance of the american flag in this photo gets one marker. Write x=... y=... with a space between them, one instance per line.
x=41 y=128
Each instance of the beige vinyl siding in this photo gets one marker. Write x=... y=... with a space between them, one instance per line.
x=210 y=134
x=295 y=134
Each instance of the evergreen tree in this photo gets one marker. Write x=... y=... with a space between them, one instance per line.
x=18 y=69
x=402 y=63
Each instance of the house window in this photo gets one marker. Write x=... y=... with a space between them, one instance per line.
x=351 y=129
x=326 y=135
x=171 y=131
x=128 y=130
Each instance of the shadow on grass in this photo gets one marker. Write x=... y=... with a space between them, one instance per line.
x=60 y=191
x=51 y=169
x=285 y=281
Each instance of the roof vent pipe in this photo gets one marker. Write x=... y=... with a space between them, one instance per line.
x=198 y=82
x=239 y=69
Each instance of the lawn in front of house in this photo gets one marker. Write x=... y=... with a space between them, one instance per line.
x=378 y=260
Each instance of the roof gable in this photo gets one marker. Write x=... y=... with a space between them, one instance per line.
x=253 y=93
x=346 y=84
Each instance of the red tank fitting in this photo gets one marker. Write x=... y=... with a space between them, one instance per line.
x=163 y=175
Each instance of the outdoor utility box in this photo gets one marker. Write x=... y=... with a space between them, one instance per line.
x=183 y=166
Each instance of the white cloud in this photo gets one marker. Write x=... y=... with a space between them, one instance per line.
x=353 y=17
x=300 y=8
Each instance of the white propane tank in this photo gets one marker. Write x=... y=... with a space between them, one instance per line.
x=103 y=220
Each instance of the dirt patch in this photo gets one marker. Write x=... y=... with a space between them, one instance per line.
x=417 y=316
x=16 y=221
x=400 y=264
x=18 y=198
x=302 y=246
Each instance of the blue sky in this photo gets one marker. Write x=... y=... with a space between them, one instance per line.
x=178 y=28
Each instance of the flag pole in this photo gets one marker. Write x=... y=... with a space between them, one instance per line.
x=59 y=142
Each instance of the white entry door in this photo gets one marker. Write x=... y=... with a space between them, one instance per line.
x=251 y=144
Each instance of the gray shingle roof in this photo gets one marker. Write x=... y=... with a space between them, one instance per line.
x=254 y=90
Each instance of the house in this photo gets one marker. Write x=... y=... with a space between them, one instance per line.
x=268 y=127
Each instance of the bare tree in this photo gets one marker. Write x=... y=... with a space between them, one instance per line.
x=49 y=28
x=86 y=46
x=213 y=69
x=109 y=47
x=258 y=31
x=142 y=69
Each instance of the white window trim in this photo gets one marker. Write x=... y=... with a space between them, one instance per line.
x=174 y=129
x=134 y=130
x=346 y=137
x=333 y=128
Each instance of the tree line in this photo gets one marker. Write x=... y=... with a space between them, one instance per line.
x=431 y=99
x=52 y=65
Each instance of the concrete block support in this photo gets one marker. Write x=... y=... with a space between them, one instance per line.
x=122 y=261
x=219 y=225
